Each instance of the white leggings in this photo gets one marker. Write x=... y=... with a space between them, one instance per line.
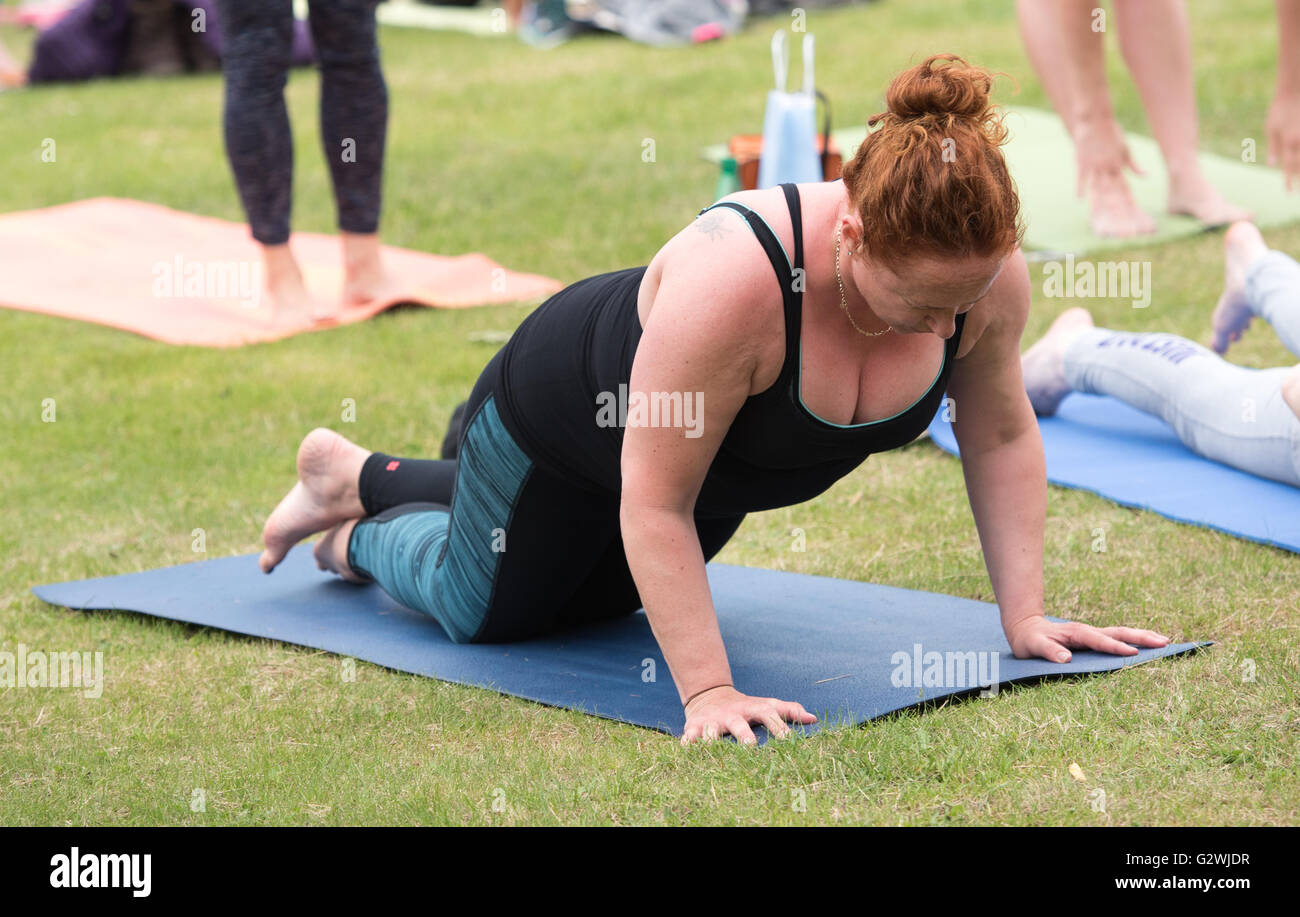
x=1224 y=412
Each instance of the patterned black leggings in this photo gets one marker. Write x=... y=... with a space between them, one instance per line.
x=258 y=36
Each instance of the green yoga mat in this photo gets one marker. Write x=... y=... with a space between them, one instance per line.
x=1041 y=157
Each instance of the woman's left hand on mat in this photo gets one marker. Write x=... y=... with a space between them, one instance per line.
x=1037 y=637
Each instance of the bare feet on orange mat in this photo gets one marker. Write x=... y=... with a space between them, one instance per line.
x=331 y=552
x=1195 y=197
x=291 y=303
x=329 y=468
x=364 y=277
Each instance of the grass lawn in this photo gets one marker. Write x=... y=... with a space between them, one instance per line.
x=535 y=158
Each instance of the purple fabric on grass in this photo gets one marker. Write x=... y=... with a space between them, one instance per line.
x=91 y=40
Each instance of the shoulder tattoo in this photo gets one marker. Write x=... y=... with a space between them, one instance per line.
x=712 y=226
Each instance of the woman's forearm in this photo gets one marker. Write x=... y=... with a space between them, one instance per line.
x=667 y=563
x=1288 y=47
x=1007 y=487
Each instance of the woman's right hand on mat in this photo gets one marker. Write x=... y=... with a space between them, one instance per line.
x=717 y=712
x=1037 y=637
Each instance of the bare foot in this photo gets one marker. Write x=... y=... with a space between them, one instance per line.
x=364 y=277
x=291 y=303
x=1242 y=244
x=331 y=552
x=1043 y=365
x=1196 y=197
x=329 y=467
x=1115 y=214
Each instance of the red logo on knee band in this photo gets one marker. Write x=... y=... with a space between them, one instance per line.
x=392 y=466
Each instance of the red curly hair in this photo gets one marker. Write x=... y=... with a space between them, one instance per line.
x=931 y=180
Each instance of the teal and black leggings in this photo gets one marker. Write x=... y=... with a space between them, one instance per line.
x=490 y=544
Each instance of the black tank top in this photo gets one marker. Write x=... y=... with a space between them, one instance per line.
x=581 y=343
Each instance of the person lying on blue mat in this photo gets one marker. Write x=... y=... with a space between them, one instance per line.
x=617 y=441
x=1246 y=418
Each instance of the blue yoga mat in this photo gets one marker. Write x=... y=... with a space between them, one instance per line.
x=1102 y=445
x=829 y=644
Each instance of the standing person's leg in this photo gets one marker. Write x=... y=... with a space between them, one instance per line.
x=1065 y=41
x=1041 y=26
x=354 y=123
x=1227 y=413
x=1156 y=43
x=257 y=45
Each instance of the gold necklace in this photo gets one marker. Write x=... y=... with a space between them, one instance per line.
x=844 y=301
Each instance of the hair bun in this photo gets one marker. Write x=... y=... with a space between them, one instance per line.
x=942 y=85
x=912 y=197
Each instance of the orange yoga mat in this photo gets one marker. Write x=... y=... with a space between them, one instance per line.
x=187 y=279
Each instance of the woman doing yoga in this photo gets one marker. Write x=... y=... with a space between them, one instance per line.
x=619 y=438
x=1246 y=418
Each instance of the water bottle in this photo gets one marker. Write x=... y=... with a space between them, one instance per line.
x=790 y=123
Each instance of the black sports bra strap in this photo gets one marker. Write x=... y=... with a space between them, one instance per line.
x=789 y=275
x=796 y=222
x=766 y=238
